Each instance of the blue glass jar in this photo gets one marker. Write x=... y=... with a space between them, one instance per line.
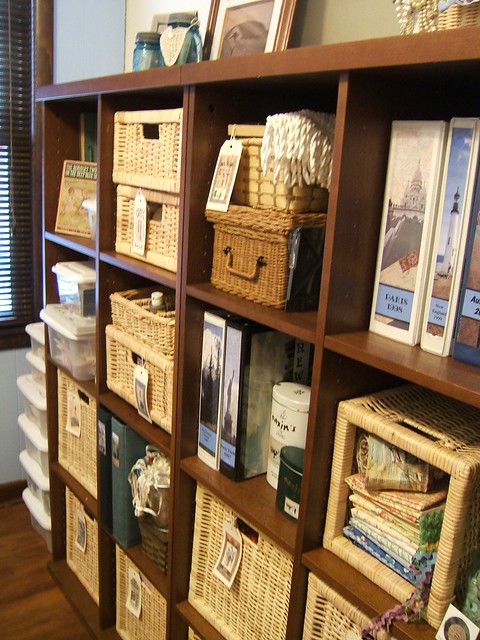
x=146 y=54
x=181 y=41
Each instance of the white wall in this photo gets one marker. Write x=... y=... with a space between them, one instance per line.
x=12 y=365
x=97 y=37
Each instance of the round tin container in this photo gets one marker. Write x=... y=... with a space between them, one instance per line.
x=288 y=425
x=290 y=481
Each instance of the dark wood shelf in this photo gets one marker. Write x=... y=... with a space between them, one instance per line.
x=253 y=500
x=86 y=246
x=89 y=502
x=81 y=600
x=139 y=268
x=127 y=413
x=359 y=590
x=197 y=622
x=148 y=568
x=445 y=375
x=300 y=324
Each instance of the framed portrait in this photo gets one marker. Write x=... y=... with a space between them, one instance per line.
x=240 y=27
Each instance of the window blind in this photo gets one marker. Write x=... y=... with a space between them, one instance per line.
x=16 y=242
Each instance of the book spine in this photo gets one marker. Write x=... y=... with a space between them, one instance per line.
x=410 y=203
x=104 y=420
x=466 y=340
x=231 y=432
x=443 y=287
x=127 y=448
x=211 y=383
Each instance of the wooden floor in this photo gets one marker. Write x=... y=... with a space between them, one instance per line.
x=32 y=607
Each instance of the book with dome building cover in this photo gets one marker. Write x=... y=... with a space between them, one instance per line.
x=415 y=163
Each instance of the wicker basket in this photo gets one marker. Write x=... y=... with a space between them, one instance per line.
x=131 y=314
x=77 y=452
x=329 y=616
x=152 y=621
x=123 y=354
x=256 y=606
x=83 y=562
x=162 y=226
x=154 y=542
x=423 y=15
x=440 y=431
x=253 y=188
x=147 y=149
x=251 y=251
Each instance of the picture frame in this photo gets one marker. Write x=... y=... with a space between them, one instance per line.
x=78 y=187
x=240 y=27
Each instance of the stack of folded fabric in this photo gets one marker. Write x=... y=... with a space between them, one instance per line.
x=401 y=528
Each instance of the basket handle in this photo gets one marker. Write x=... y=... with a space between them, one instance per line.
x=260 y=262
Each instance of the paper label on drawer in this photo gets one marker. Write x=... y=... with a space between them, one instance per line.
x=224 y=175
x=230 y=555
x=81 y=533
x=134 y=594
x=139 y=223
x=73 y=413
x=140 y=383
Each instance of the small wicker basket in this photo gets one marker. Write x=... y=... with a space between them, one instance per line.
x=152 y=621
x=253 y=188
x=438 y=430
x=147 y=149
x=256 y=605
x=424 y=15
x=131 y=314
x=123 y=354
x=77 y=451
x=251 y=251
x=82 y=559
x=329 y=616
x=162 y=226
x=154 y=542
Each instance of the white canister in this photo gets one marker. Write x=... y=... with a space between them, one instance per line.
x=288 y=424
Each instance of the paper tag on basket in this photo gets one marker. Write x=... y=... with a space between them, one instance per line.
x=73 y=413
x=351 y=635
x=81 y=534
x=224 y=175
x=140 y=384
x=134 y=594
x=139 y=223
x=228 y=561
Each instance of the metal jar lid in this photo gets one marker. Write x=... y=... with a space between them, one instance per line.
x=292 y=395
x=148 y=36
x=186 y=17
x=293 y=458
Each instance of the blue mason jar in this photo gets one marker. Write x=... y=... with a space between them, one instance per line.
x=147 y=51
x=181 y=41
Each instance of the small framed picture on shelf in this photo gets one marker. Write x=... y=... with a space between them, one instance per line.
x=77 y=197
x=240 y=27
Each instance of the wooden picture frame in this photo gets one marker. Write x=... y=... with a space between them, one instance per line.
x=240 y=27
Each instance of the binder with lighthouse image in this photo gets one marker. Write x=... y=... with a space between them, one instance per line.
x=452 y=223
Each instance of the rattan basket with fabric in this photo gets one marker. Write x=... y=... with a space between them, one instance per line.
x=438 y=430
x=152 y=621
x=82 y=544
x=257 y=603
x=77 y=432
x=253 y=188
x=124 y=353
x=251 y=251
x=154 y=542
x=147 y=149
x=329 y=616
x=161 y=239
x=466 y=15
x=131 y=313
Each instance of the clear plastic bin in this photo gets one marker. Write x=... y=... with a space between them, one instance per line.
x=35 y=401
x=41 y=522
x=36 y=331
x=76 y=285
x=37 y=482
x=35 y=443
x=37 y=367
x=71 y=340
